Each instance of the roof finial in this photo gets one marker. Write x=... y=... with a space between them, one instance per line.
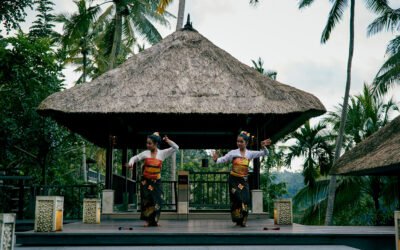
x=188 y=25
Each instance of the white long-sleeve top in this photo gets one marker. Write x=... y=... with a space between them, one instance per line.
x=250 y=154
x=161 y=154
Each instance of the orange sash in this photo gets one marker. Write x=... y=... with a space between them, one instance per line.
x=240 y=167
x=152 y=168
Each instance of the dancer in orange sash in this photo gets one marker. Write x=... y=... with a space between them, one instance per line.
x=238 y=185
x=150 y=185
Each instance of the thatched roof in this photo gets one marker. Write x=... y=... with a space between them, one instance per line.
x=182 y=75
x=378 y=154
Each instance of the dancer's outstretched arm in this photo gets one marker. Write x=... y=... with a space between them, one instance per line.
x=225 y=158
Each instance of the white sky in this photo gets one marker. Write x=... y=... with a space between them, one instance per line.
x=287 y=39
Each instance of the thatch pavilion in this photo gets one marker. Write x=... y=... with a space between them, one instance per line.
x=184 y=87
x=379 y=154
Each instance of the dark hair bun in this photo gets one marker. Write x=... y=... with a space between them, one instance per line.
x=155 y=137
x=245 y=135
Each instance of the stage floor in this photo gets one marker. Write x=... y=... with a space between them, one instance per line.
x=210 y=232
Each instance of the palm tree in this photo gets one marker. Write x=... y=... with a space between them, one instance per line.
x=365 y=116
x=335 y=15
x=181 y=11
x=389 y=74
x=311 y=143
x=78 y=35
x=311 y=202
x=125 y=19
x=259 y=67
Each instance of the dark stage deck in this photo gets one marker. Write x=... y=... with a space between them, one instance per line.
x=210 y=232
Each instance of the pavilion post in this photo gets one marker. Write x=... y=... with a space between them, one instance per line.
x=133 y=177
x=257 y=193
x=108 y=193
x=109 y=162
x=256 y=165
x=398 y=191
x=125 y=195
x=123 y=161
x=134 y=170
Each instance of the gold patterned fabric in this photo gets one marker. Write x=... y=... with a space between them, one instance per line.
x=152 y=168
x=239 y=199
x=240 y=166
x=151 y=200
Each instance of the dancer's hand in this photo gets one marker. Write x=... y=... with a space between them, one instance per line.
x=216 y=155
x=266 y=142
x=166 y=139
x=128 y=166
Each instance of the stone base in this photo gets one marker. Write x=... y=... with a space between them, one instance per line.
x=283 y=214
x=183 y=207
x=396 y=227
x=108 y=201
x=91 y=211
x=7 y=231
x=257 y=201
x=49 y=213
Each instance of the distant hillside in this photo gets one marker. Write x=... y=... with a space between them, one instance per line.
x=294 y=180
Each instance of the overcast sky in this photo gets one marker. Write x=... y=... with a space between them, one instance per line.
x=287 y=39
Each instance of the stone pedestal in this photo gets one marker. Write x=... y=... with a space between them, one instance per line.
x=183 y=192
x=397 y=228
x=49 y=213
x=283 y=214
x=257 y=201
x=91 y=210
x=108 y=201
x=7 y=231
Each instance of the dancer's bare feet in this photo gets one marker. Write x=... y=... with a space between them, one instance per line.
x=145 y=224
x=158 y=225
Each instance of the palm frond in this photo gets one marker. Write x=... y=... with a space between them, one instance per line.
x=335 y=15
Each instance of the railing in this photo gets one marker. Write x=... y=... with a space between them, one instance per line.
x=209 y=190
x=121 y=185
x=17 y=195
x=170 y=196
x=94 y=176
x=12 y=194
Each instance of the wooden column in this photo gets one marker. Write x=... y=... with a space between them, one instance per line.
x=123 y=161
x=134 y=170
x=256 y=163
x=109 y=162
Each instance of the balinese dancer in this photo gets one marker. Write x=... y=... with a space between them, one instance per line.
x=150 y=185
x=238 y=185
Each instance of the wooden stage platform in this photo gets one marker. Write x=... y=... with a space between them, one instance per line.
x=209 y=232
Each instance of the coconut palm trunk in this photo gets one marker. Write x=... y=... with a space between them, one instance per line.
x=339 y=140
x=181 y=13
x=117 y=36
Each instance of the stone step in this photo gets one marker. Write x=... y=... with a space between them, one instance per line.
x=176 y=216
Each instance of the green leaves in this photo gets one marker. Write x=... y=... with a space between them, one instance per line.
x=29 y=72
x=335 y=15
x=259 y=67
x=12 y=12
